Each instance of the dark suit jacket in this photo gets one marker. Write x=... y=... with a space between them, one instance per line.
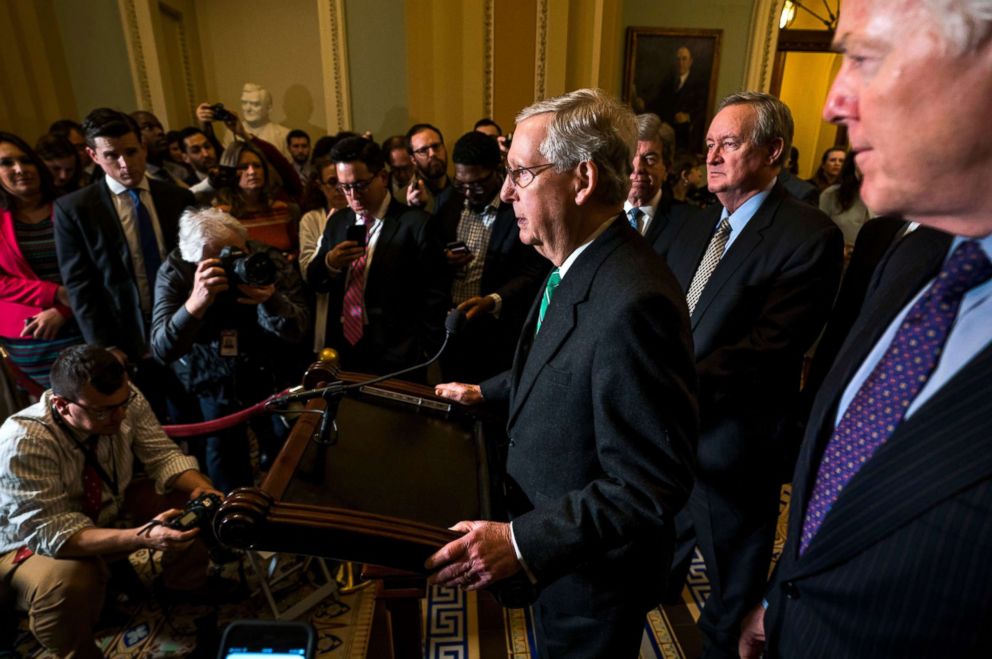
x=760 y=311
x=602 y=425
x=406 y=287
x=515 y=271
x=900 y=566
x=667 y=222
x=95 y=262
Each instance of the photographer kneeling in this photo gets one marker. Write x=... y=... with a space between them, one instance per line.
x=223 y=306
x=67 y=508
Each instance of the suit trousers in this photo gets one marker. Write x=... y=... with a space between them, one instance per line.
x=613 y=633
x=735 y=531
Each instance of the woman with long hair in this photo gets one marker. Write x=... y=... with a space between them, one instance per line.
x=325 y=177
x=251 y=199
x=35 y=319
x=830 y=166
x=842 y=202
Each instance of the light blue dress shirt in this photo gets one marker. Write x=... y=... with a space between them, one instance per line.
x=970 y=333
x=743 y=215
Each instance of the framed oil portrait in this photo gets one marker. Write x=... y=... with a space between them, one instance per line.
x=673 y=73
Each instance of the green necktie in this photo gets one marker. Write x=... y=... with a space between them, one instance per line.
x=549 y=290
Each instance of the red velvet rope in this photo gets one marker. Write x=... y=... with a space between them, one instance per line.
x=34 y=389
x=216 y=425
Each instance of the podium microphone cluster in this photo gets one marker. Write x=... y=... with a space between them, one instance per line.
x=452 y=325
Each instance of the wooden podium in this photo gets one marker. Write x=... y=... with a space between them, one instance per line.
x=398 y=468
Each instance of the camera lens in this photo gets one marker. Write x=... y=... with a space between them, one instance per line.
x=255 y=269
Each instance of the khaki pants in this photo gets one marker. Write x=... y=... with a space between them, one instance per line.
x=63 y=597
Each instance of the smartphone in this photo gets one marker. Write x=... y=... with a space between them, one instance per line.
x=457 y=247
x=357 y=233
x=268 y=639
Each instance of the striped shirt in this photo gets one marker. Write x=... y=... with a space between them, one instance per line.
x=41 y=473
x=37 y=244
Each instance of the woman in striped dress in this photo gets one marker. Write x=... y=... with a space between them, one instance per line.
x=35 y=319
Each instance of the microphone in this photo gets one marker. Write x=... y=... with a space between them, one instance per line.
x=453 y=323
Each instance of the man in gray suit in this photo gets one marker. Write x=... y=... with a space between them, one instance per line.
x=889 y=536
x=602 y=420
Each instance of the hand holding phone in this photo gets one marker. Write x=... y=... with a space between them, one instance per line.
x=458 y=247
x=358 y=233
x=267 y=639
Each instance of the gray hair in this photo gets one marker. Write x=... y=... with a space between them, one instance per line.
x=651 y=128
x=964 y=24
x=589 y=124
x=252 y=88
x=773 y=120
x=199 y=227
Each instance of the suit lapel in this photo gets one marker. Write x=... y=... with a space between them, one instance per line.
x=559 y=321
x=741 y=249
x=690 y=245
x=112 y=226
x=502 y=228
x=660 y=219
x=940 y=450
x=900 y=277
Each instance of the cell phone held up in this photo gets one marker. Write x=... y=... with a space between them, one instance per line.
x=458 y=247
x=267 y=639
x=357 y=233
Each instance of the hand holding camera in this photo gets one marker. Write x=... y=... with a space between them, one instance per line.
x=210 y=280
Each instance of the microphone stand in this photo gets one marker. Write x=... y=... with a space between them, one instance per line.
x=327 y=435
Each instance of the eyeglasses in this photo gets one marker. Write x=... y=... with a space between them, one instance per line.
x=101 y=413
x=524 y=176
x=478 y=186
x=424 y=150
x=358 y=187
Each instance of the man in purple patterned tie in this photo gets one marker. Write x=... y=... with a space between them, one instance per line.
x=890 y=530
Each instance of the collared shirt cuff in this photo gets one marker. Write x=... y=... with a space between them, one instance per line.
x=498 y=301
x=520 y=557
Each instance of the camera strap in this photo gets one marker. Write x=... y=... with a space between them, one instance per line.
x=90 y=458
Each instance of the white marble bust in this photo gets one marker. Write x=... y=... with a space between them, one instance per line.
x=256 y=104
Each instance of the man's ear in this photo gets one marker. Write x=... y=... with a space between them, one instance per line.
x=91 y=152
x=775 y=150
x=60 y=404
x=586 y=180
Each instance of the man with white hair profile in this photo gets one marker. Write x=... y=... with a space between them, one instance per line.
x=602 y=415
x=256 y=105
x=225 y=309
x=890 y=532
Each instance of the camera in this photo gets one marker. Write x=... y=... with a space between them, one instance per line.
x=197 y=514
x=220 y=113
x=255 y=269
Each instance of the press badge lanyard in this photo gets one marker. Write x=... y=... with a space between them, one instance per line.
x=90 y=457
